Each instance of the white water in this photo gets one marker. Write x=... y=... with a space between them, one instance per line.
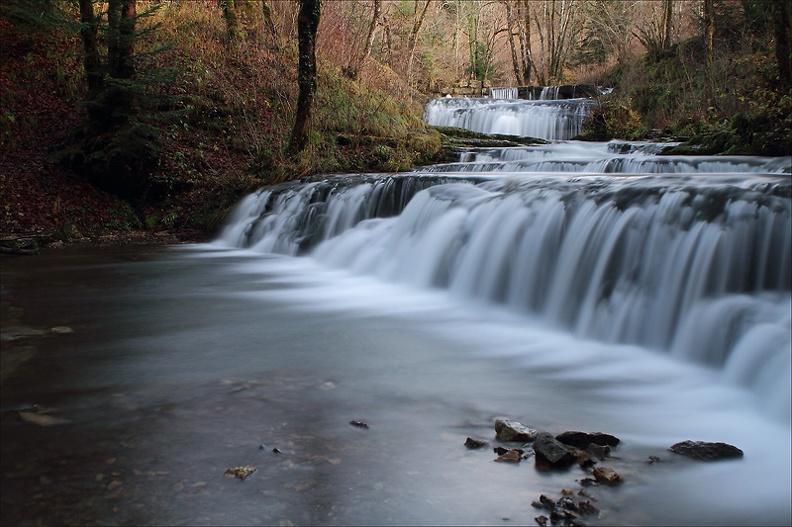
x=503 y=93
x=654 y=289
x=550 y=119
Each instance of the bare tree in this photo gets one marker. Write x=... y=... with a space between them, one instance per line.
x=307 y=25
x=782 y=27
x=372 y=31
x=557 y=26
x=519 y=35
x=413 y=40
x=709 y=28
x=668 y=17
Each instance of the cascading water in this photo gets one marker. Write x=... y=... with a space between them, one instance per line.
x=633 y=254
x=550 y=119
x=503 y=93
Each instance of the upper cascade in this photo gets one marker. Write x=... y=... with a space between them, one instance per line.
x=615 y=158
x=554 y=120
x=548 y=93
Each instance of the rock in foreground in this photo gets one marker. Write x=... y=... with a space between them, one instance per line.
x=506 y=430
x=551 y=453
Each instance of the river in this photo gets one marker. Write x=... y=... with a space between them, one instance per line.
x=522 y=283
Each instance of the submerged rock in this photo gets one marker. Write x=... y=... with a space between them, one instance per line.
x=705 y=451
x=506 y=430
x=584 y=439
x=240 y=472
x=473 y=443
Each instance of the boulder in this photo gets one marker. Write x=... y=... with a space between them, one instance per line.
x=506 y=430
x=584 y=439
x=607 y=475
x=551 y=453
x=704 y=451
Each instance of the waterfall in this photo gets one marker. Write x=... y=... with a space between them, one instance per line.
x=551 y=120
x=690 y=256
x=503 y=93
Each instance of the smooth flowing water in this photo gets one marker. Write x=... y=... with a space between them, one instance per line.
x=569 y=286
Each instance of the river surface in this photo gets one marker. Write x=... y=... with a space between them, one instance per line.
x=184 y=361
x=552 y=285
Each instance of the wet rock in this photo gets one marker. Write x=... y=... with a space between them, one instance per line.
x=653 y=459
x=704 y=451
x=607 y=475
x=565 y=511
x=584 y=439
x=38 y=415
x=601 y=452
x=544 y=503
x=240 y=472
x=359 y=424
x=514 y=455
x=583 y=458
x=506 y=430
x=551 y=453
x=473 y=443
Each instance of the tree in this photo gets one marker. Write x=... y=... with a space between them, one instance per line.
x=121 y=17
x=782 y=27
x=668 y=18
x=519 y=25
x=413 y=40
x=270 y=24
x=116 y=146
x=89 y=30
x=307 y=25
x=232 y=21
x=709 y=28
x=558 y=28
x=372 y=31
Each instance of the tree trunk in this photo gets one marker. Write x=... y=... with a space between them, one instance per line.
x=782 y=27
x=413 y=42
x=121 y=15
x=709 y=28
x=512 y=45
x=232 y=22
x=371 y=32
x=524 y=23
x=307 y=25
x=91 y=60
x=668 y=16
x=268 y=22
